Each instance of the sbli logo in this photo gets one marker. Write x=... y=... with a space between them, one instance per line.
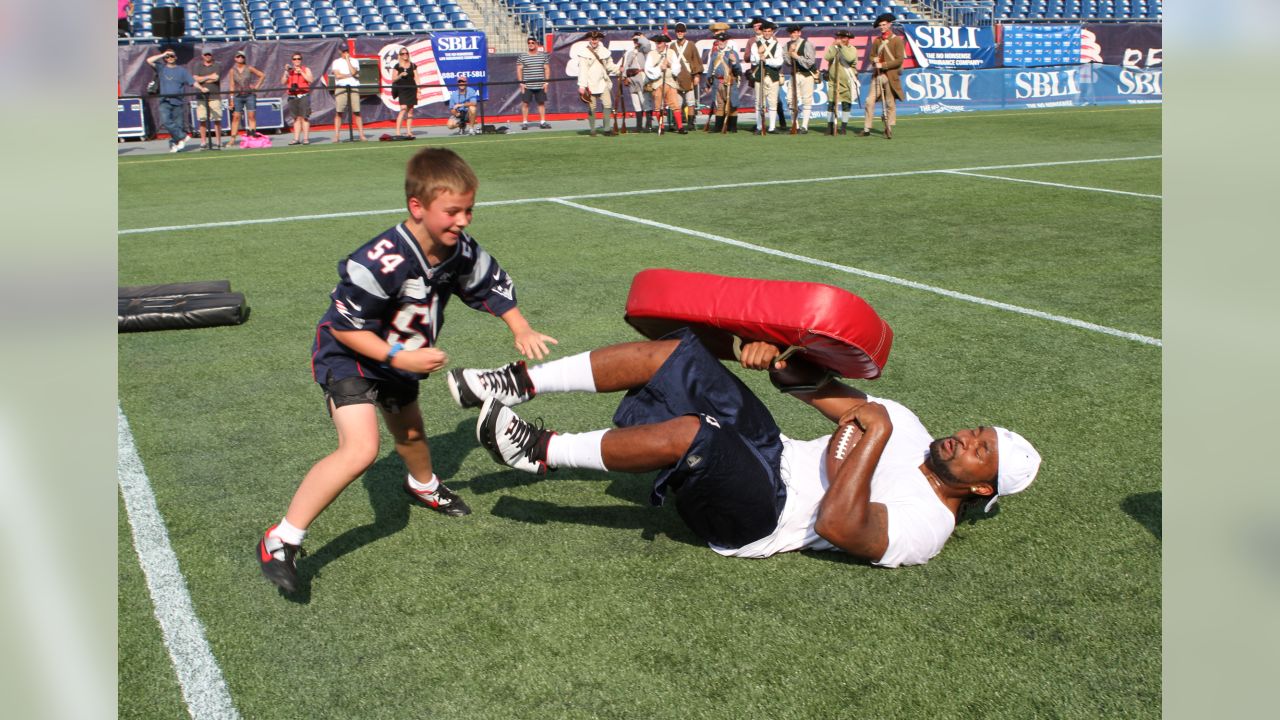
x=938 y=86
x=453 y=43
x=1142 y=82
x=946 y=38
x=1046 y=84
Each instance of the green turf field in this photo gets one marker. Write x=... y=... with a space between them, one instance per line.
x=1016 y=256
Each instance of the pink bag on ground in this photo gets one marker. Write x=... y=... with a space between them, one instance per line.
x=250 y=141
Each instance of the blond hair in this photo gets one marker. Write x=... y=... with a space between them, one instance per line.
x=435 y=170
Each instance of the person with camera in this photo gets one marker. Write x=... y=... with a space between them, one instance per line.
x=172 y=82
x=297 y=78
x=462 y=108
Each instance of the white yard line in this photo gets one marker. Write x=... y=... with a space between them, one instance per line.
x=632 y=193
x=1052 y=184
x=1083 y=325
x=203 y=687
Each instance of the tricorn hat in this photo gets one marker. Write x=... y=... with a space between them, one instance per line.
x=887 y=17
x=660 y=39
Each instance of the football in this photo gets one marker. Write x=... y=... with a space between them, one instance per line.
x=840 y=447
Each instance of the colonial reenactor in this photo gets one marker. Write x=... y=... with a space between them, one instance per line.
x=595 y=65
x=661 y=67
x=804 y=69
x=886 y=53
x=842 y=79
x=690 y=74
x=634 y=79
x=767 y=57
x=723 y=64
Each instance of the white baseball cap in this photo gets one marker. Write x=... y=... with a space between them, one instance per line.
x=1019 y=463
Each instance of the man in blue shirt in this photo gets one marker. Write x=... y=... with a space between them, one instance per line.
x=462 y=107
x=175 y=81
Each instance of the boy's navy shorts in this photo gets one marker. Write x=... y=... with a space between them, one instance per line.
x=728 y=485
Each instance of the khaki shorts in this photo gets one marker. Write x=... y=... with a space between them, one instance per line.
x=344 y=96
x=215 y=106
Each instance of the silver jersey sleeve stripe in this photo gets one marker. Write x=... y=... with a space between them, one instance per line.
x=363 y=278
x=479 y=272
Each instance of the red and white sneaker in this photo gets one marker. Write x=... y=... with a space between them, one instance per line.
x=443 y=500
x=279 y=561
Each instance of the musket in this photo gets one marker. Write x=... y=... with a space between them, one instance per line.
x=619 y=108
x=726 y=85
x=662 y=90
x=795 y=110
x=760 y=126
x=711 y=113
x=833 y=72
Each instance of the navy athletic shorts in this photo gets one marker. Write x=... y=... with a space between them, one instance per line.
x=728 y=485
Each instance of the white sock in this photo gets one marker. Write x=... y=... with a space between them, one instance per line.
x=428 y=487
x=576 y=450
x=288 y=533
x=564 y=375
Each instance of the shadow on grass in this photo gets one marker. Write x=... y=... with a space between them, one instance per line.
x=1147 y=509
x=650 y=521
x=391 y=506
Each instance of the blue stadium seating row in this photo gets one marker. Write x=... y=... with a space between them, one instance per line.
x=314 y=18
x=305 y=18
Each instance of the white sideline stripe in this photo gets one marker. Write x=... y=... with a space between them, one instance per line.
x=200 y=678
x=1053 y=184
x=1144 y=339
x=632 y=193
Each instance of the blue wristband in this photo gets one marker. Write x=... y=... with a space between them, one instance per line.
x=395 y=348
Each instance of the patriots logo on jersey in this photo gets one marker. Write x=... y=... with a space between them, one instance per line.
x=505 y=290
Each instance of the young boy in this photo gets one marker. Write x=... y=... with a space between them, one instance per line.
x=378 y=339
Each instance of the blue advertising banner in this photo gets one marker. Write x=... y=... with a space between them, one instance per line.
x=1039 y=45
x=957 y=48
x=463 y=54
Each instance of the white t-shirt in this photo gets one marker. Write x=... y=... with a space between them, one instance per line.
x=919 y=524
x=340 y=66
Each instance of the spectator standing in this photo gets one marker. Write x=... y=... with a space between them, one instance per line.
x=346 y=96
x=404 y=85
x=244 y=80
x=209 y=104
x=297 y=79
x=533 y=70
x=462 y=107
x=174 y=82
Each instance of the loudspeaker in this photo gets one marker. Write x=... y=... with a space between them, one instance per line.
x=369 y=77
x=168 y=22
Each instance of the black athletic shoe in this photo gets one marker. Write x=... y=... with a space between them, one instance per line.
x=510 y=440
x=443 y=500
x=509 y=384
x=279 y=561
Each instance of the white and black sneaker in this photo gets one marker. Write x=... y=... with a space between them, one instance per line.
x=510 y=440
x=509 y=385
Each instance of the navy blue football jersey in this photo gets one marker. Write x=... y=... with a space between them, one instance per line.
x=387 y=287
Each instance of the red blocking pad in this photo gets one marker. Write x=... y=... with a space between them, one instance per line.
x=830 y=326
